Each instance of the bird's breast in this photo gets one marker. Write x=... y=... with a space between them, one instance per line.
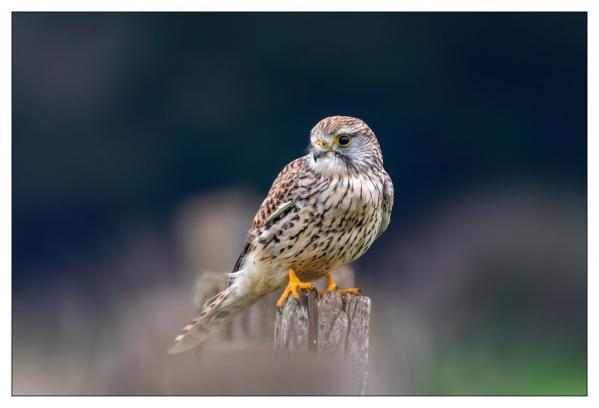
x=332 y=223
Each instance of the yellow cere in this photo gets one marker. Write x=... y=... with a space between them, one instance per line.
x=322 y=143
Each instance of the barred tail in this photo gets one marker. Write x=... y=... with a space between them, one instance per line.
x=221 y=308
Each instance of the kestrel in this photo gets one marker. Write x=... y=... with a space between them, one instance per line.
x=324 y=210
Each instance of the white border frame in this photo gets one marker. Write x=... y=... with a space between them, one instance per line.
x=592 y=7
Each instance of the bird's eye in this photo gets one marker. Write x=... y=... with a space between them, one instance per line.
x=343 y=140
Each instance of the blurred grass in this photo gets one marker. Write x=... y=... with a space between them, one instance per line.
x=518 y=369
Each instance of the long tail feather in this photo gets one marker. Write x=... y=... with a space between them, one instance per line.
x=218 y=310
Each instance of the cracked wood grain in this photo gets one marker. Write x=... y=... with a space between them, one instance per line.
x=331 y=325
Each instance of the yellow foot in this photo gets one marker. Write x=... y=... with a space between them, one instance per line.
x=332 y=287
x=293 y=288
x=352 y=291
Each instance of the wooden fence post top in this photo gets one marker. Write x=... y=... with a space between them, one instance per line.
x=330 y=324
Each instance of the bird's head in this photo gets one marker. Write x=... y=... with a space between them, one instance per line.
x=343 y=143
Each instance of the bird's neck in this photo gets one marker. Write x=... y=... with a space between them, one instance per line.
x=335 y=166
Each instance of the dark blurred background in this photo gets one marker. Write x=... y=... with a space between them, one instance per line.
x=144 y=142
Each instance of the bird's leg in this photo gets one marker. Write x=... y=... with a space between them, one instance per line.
x=331 y=284
x=293 y=287
x=332 y=287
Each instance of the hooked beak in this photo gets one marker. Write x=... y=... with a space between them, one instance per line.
x=320 y=149
x=318 y=153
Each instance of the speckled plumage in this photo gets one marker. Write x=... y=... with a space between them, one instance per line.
x=324 y=210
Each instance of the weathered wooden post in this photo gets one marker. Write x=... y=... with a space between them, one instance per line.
x=321 y=342
x=332 y=324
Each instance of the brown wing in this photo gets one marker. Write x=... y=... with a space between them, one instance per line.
x=387 y=203
x=278 y=202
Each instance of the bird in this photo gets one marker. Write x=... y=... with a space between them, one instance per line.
x=323 y=211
